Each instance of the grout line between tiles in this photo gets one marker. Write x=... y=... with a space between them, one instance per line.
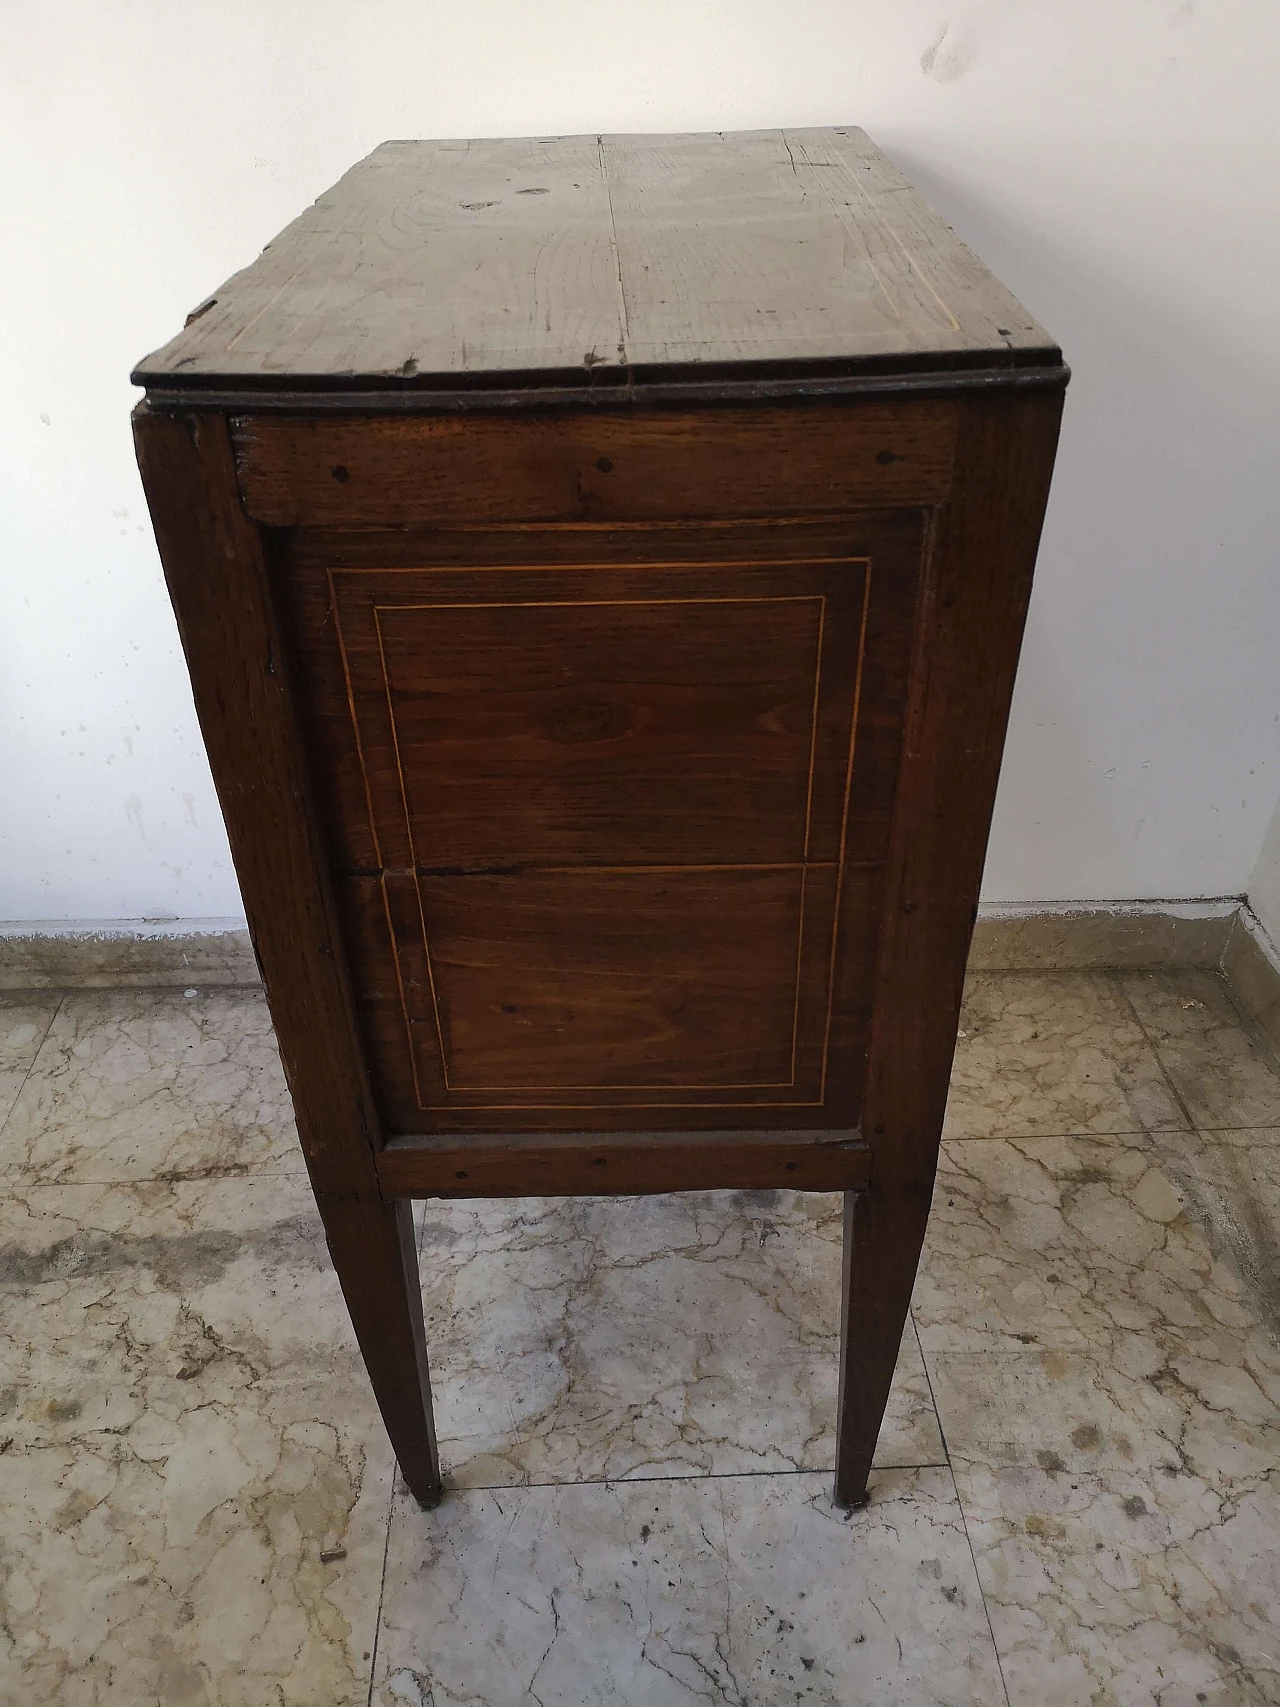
x=1066 y=1132
x=1118 y=985
x=382 y=1585
x=57 y=1009
x=977 y=1577
x=928 y=1379
x=645 y=1481
x=1134 y=1132
x=964 y=1521
x=1241 y=1126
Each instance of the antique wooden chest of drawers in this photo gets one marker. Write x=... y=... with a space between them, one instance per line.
x=601 y=563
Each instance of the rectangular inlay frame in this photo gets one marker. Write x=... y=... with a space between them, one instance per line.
x=381 y=605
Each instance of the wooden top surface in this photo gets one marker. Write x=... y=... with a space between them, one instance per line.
x=598 y=262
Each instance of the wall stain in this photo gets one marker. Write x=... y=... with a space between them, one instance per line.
x=947 y=61
x=955 y=50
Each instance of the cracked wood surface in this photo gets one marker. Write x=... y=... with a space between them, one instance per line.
x=557 y=259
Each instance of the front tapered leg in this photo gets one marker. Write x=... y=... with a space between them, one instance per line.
x=375 y=1254
x=883 y=1235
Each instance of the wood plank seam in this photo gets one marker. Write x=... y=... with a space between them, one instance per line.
x=863 y=563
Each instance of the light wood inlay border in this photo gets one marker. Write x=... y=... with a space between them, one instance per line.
x=803 y=866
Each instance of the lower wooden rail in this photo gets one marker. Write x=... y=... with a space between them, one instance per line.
x=502 y=1164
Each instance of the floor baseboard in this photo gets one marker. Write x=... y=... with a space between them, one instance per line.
x=1085 y=936
x=1063 y=937
x=1251 y=965
x=1220 y=934
x=125 y=954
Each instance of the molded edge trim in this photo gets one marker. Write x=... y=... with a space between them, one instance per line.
x=407 y=400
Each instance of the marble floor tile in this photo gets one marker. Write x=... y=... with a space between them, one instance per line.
x=195 y=1484
x=1047 y=1053
x=582 y=1338
x=1128 y=1589
x=152 y=1084
x=1230 y=1178
x=194 y=1480
x=750 y=1589
x=1073 y=1314
x=1224 y=1075
x=24 y=1021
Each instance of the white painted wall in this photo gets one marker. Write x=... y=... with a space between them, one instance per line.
x=1115 y=161
x=1264 y=884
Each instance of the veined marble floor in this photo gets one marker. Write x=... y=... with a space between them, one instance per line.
x=1077 y=1498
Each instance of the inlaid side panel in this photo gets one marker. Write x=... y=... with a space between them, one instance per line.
x=677 y=729
x=679 y=715
x=659 y=978
x=613 y=844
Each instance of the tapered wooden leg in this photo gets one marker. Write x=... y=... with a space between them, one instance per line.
x=375 y=1254
x=883 y=1236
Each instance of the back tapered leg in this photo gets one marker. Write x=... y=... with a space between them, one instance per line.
x=375 y=1254
x=883 y=1236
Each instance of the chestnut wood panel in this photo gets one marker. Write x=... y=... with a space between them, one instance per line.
x=682 y=713
x=647 y=982
x=600 y=1163
x=582 y=979
x=318 y=562
x=671 y=982
x=601 y=817
x=389 y=471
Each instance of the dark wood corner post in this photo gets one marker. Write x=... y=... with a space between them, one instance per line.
x=215 y=563
x=969 y=629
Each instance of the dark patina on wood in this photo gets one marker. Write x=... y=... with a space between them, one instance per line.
x=601 y=564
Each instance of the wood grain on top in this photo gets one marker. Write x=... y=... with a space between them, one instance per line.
x=608 y=261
